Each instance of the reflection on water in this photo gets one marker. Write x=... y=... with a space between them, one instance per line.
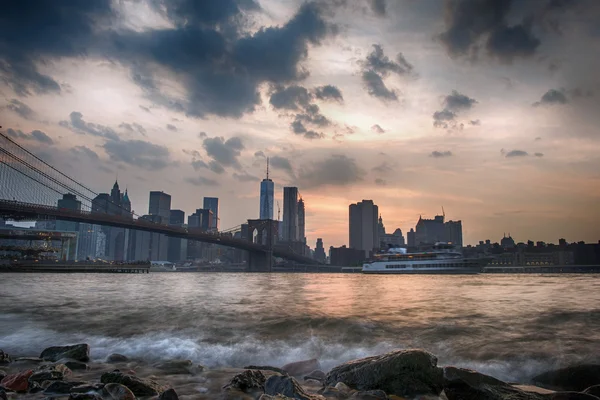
x=511 y=326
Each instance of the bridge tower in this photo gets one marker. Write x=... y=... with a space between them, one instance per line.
x=265 y=232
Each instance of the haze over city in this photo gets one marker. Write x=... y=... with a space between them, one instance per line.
x=487 y=108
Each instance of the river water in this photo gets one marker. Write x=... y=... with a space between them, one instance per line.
x=509 y=326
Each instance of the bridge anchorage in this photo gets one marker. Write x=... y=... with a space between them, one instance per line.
x=31 y=189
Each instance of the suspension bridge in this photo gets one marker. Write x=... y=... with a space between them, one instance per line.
x=30 y=190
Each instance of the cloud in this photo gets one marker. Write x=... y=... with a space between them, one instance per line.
x=380 y=182
x=201 y=181
x=337 y=170
x=378 y=7
x=539 y=154
x=202 y=135
x=297 y=98
x=290 y=98
x=378 y=66
x=329 y=92
x=458 y=102
x=216 y=167
x=259 y=154
x=475 y=122
x=383 y=168
x=20 y=108
x=443 y=119
x=440 y=154
x=472 y=25
x=199 y=164
x=516 y=153
x=245 y=177
x=552 y=97
x=172 y=128
x=83 y=150
x=35 y=135
x=281 y=163
x=78 y=125
x=139 y=153
x=224 y=152
x=377 y=129
x=453 y=104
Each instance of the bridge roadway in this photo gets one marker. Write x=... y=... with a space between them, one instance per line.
x=19 y=211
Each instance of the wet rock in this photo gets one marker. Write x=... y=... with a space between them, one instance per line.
x=115 y=358
x=287 y=386
x=247 y=380
x=403 y=372
x=460 y=384
x=139 y=387
x=3 y=395
x=28 y=360
x=175 y=367
x=85 y=388
x=116 y=391
x=299 y=368
x=575 y=378
x=60 y=387
x=369 y=395
x=276 y=397
x=77 y=352
x=317 y=375
x=2 y=375
x=571 y=396
x=85 y=396
x=35 y=387
x=4 y=358
x=62 y=368
x=267 y=368
x=342 y=387
x=47 y=375
x=18 y=382
x=169 y=394
x=593 y=390
x=331 y=392
x=73 y=365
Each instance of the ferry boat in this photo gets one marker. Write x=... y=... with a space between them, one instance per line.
x=443 y=258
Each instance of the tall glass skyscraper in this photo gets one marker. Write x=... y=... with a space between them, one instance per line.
x=267 y=196
x=212 y=204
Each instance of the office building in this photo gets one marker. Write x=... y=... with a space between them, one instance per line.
x=201 y=219
x=160 y=205
x=345 y=257
x=177 y=247
x=177 y=217
x=453 y=230
x=290 y=214
x=69 y=201
x=430 y=231
x=301 y=221
x=363 y=226
x=410 y=238
x=267 y=196
x=320 y=251
x=212 y=204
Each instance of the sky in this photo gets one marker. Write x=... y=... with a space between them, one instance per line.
x=487 y=108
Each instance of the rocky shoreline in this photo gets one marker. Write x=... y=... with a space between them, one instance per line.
x=65 y=372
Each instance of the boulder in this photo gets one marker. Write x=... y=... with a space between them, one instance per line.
x=116 y=391
x=4 y=358
x=85 y=388
x=317 y=375
x=169 y=394
x=85 y=396
x=287 y=386
x=276 y=397
x=571 y=396
x=460 y=384
x=115 y=358
x=139 y=387
x=77 y=352
x=247 y=380
x=575 y=378
x=369 y=395
x=18 y=382
x=3 y=395
x=331 y=392
x=61 y=387
x=182 y=367
x=35 y=387
x=593 y=390
x=73 y=365
x=267 y=368
x=46 y=375
x=62 y=368
x=406 y=373
x=299 y=368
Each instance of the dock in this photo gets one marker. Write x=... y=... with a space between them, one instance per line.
x=79 y=267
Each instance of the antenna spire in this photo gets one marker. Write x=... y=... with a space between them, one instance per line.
x=267 y=167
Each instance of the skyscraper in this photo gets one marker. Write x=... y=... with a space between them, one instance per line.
x=290 y=214
x=454 y=232
x=160 y=205
x=320 y=251
x=212 y=204
x=267 y=196
x=69 y=201
x=410 y=238
x=301 y=221
x=177 y=248
x=363 y=226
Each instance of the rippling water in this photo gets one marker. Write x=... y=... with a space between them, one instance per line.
x=509 y=326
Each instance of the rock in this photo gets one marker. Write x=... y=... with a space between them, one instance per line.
x=593 y=390
x=405 y=373
x=3 y=395
x=369 y=395
x=175 y=367
x=73 y=365
x=331 y=392
x=317 y=375
x=115 y=358
x=276 y=397
x=4 y=358
x=301 y=367
x=139 y=387
x=47 y=375
x=247 y=380
x=287 y=386
x=342 y=387
x=85 y=388
x=85 y=396
x=18 y=382
x=169 y=394
x=575 y=378
x=460 y=384
x=116 y=391
x=61 y=387
x=571 y=396
x=77 y=352
x=267 y=368
x=35 y=387
x=56 y=367
x=28 y=359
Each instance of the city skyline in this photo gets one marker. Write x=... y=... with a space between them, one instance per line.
x=365 y=102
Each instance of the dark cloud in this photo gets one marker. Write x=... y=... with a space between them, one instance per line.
x=539 y=154
x=260 y=154
x=440 y=154
x=376 y=87
x=35 y=135
x=337 y=170
x=476 y=24
x=83 y=150
x=201 y=181
x=224 y=152
x=78 y=125
x=281 y=163
x=172 y=128
x=245 y=177
x=377 y=129
x=458 y=102
x=145 y=108
x=443 y=119
x=298 y=98
x=380 y=182
x=133 y=127
x=552 y=97
x=290 y=98
x=378 y=66
x=216 y=167
x=378 y=7
x=475 y=122
x=453 y=104
x=516 y=153
x=139 y=153
x=199 y=164
x=20 y=108
x=329 y=92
